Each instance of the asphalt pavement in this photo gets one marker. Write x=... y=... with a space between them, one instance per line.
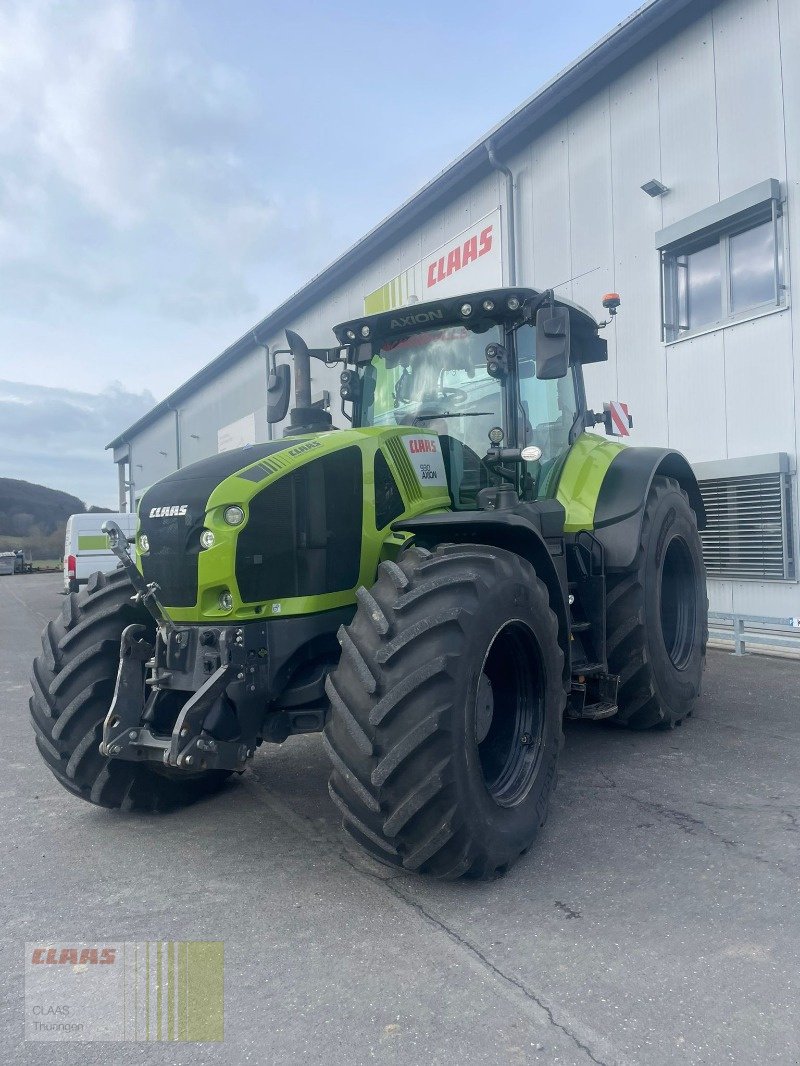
x=656 y=919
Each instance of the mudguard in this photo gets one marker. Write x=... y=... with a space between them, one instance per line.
x=623 y=494
x=533 y=530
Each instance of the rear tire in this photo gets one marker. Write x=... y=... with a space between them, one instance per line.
x=657 y=615
x=73 y=684
x=446 y=708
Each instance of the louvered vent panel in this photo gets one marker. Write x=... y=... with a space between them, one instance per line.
x=748 y=532
x=405 y=470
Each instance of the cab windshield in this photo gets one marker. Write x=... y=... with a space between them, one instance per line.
x=436 y=380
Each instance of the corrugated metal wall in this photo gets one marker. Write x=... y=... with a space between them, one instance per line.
x=714 y=111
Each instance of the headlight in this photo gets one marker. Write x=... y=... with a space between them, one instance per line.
x=466 y=310
x=488 y=305
x=234 y=515
x=496 y=435
x=365 y=331
x=207 y=538
x=225 y=601
x=144 y=543
x=531 y=454
x=513 y=303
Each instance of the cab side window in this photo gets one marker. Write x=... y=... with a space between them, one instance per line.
x=549 y=406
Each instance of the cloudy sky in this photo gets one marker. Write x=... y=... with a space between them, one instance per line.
x=170 y=170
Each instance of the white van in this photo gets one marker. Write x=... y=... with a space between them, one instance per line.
x=86 y=547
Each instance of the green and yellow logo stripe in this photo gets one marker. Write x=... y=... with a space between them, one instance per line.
x=174 y=991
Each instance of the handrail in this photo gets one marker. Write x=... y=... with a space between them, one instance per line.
x=740 y=621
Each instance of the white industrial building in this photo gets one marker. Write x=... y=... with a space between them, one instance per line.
x=663 y=164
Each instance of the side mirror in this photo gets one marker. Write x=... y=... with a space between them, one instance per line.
x=552 y=343
x=279 y=389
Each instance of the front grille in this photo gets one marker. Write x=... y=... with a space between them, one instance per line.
x=174 y=550
x=175 y=541
x=303 y=534
x=173 y=556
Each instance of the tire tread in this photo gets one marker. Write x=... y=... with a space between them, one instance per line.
x=638 y=700
x=392 y=685
x=72 y=681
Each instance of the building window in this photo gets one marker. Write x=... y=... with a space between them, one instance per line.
x=723 y=264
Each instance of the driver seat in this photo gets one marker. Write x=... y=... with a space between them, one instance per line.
x=453 y=456
x=465 y=474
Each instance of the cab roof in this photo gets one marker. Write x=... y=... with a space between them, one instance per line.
x=477 y=311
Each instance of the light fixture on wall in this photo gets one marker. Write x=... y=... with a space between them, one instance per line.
x=654 y=187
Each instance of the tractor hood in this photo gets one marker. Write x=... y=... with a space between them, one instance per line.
x=316 y=511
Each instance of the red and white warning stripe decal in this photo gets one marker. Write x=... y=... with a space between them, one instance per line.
x=619 y=418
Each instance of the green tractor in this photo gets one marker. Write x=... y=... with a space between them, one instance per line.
x=433 y=588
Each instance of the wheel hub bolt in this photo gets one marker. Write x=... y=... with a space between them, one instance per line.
x=525 y=739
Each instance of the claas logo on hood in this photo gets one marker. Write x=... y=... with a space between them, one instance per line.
x=169 y=512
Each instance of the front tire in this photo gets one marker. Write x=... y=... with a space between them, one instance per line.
x=446 y=708
x=657 y=616
x=73 y=685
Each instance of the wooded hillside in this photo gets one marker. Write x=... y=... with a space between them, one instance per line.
x=35 y=517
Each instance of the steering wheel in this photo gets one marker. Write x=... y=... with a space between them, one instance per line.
x=457 y=395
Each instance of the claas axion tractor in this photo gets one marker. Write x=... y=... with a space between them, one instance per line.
x=434 y=588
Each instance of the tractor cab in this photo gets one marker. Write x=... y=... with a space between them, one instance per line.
x=496 y=375
x=467 y=369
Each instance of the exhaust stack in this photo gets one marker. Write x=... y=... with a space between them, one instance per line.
x=304 y=418
x=302 y=369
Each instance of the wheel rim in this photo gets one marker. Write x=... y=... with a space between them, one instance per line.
x=509 y=714
x=678 y=602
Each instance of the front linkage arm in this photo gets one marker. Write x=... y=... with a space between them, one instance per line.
x=126 y=729
x=235 y=659
x=146 y=594
x=240 y=675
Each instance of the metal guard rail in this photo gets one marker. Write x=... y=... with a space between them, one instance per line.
x=741 y=638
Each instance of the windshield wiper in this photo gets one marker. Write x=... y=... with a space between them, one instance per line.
x=452 y=414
